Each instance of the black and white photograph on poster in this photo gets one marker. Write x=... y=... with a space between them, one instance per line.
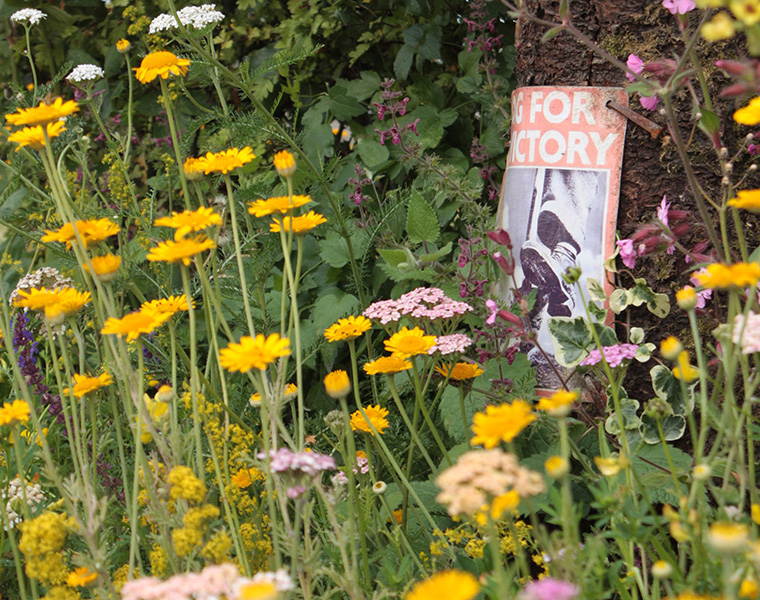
x=556 y=219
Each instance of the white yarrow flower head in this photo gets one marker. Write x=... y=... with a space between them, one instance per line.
x=83 y=73
x=30 y=15
x=196 y=16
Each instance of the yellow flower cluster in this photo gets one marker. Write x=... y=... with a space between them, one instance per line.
x=42 y=540
x=195 y=523
x=185 y=485
x=34 y=119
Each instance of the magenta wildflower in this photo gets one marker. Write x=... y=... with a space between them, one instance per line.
x=702 y=295
x=614 y=355
x=297 y=469
x=549 y=589
x=448 y=344
x=679 y=7
x=649 y=102
x=662 y=210
x=494 y=308
x=627 y=253
x=635 y=64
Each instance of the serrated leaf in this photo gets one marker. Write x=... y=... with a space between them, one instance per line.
x=397 y=275
x=421 y=220
x=334 y=250
x=12 y=203
x=451 y=412
x=403 y=61
x=343 y=106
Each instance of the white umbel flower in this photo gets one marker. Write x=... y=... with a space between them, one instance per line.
x=82 y=73
x=32 y=15
x=196 y=16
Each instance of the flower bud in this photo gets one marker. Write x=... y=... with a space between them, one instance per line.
x=556 y=467
x=337 y=384
x=657 y=408
x=284 y=163
x=661 y=569
x=671 y=347
x=702 y=472
x=572 y=275
x=687 y=298
x=379 y=488
x=508 y=266
x=500 y=237
x=334 y=421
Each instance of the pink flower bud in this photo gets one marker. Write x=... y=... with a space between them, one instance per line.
x=500 y=237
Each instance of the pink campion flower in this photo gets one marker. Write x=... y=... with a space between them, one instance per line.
x=662 y=211
x=704 y=295
x=649 y=102
x=627 y=253
x=635 y=64
x=680 y=7
x=549 y=589
x=494 y=308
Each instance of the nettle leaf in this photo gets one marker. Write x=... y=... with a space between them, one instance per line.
x=334 y=250
x=332 y=306
x=658 y=304
x=451 y=412
x=421 y=220
x=570 y=336
x=408 y=273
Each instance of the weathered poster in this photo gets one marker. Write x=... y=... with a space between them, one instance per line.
x=560 y=197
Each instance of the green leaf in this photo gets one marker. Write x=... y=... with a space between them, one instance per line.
x=658 y=304
x=451 y=412
x=709 y=123
x=421 y=220
x=619 y=301
x=394 y=257
x=409 y=273
x=570 y=336
x=437 y=255
x=12 y=203
x=331 y=307
x=596 y=290
x=667 y=387
x=372 y=152
x=644 y=352
x=636 y=335
x=673 y=428
x=334 y=250
x=551 y=33
x=343 y=106
x=403 y=62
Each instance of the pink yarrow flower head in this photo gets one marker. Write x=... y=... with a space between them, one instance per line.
x=297 y=469
x=420 y=303
x=549 y=589
x=614 y=355
x=679 y=7
x=627 y=253
x=448 y=344
x=635 y=64
x=213 y=582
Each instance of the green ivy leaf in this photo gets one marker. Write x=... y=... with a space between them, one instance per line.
x=658 y=304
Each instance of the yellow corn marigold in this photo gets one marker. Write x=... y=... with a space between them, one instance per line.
x=460 y=371
x=409 y=342
x=105 y=266
x=375 y=415
x=189 y=221
x=451 y=585
x=180 y=251
x=14 y=412
x=254 y=353
x=278 y=204
x=160 y=64
x=134 y=324
x=501 y=423
x=746 y=199
x=91 y=232
x=42 y=114
x=284 y=163
x=387 y=365
x=300 y=225
x=225 y=161
x=34 y=136
x=720 y=276
x=86 y=384
x=349 y=328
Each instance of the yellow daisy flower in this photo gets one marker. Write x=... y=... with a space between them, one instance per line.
x=556 y=467
x=409 y=342
x=728 y=538
x=183 y=250
x=337 y=384
x=225 y=161
x=91 y=232
x=42 y=114
x=258 y=590
x=17 y=412
x=501 y=423
x=746 y=11
x=559 y=403
x=451 y=585
x=750 y=114
x=86 y=384
x=387 y=365
x=719 y=276
x=746 y=199
x=300 y=225
x=160 y=64
x=81 y=577
x=105 y=266
x=375 y=414
x=170 y=305
x=33 y=136
x=685 y=370
x=671 y=347
x=65 y=301
x=134 y=324
x=284 y=163
x=609 y=466
x=193 y=168
x=280 y=204
x=189 y=221
x=348 y=329
x=460 y=371
x=254 y=353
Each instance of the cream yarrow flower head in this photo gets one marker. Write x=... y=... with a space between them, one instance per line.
x=43 y=113
x=86 y=384
x=85 y=73
x=409 y=342
x=225 y=161
x=160 y=64
x=375 y=415
x=451 y=585
x=278 y=204
x=189 y=221
x=180 y=251
x=34 y=136
x=254 y=353
x=299 y=225
x=337 y=384
x=28 y=15
x=349 y=328
x=501 y=423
